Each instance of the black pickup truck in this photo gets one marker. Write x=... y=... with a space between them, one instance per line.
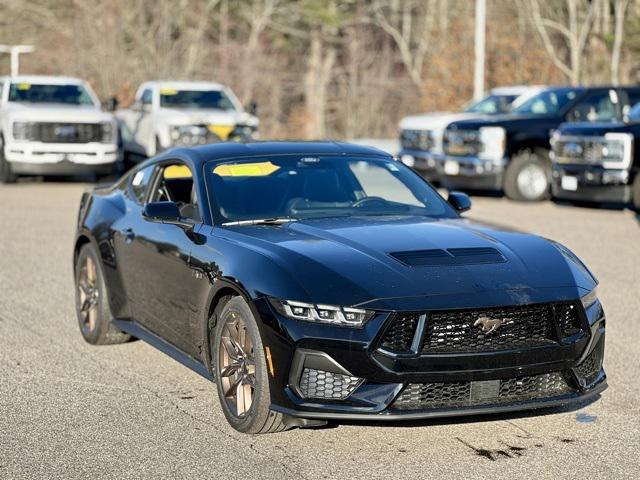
x=511 y=152
x=598 y=162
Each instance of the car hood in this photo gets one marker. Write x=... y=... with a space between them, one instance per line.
x=348 y=261
x=508 y=121
x=593 y=129
x=197 y=116
x=433 y=121
x=56 y=113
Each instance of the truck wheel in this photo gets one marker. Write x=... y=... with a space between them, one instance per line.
x=240 y=370
x=635 y=192
x=527 y=178
x=92 y=305
x=6 y=174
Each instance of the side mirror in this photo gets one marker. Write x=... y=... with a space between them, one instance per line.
x=460 y=201
x=165 y=212
x=252 y=108
x=110 y=105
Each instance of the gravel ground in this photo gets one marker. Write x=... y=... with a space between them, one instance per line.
x=71 y=410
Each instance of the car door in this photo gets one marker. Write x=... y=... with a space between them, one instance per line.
x=155 y=257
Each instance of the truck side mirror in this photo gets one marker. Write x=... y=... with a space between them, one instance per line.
x=252 y=108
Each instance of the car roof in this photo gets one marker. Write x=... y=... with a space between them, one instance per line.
x=228 y=150
x=44 y=79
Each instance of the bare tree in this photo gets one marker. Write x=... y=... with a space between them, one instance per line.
x=620 y=8
x=571 y=23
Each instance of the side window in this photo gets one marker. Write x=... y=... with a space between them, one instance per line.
x=175 y=184
x=147 y=97
x=139 y=183
x=599 y=107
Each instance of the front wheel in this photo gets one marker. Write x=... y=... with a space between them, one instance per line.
x=6 y=173
x=526 y=178
x=240 y=370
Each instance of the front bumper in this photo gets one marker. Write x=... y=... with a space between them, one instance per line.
x=422 y=161
x=39 y=158
x=470 y=173
x=383 y=383
x=591 y=184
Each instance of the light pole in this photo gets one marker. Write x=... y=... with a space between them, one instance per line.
x=478 y=74
x=15 y=51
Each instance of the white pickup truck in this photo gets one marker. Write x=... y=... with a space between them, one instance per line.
x=54 y=126
x=169 y=114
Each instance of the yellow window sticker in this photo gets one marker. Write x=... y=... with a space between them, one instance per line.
x=24 y=86
x=177 y=171
x=260 y=169
x=168 y=91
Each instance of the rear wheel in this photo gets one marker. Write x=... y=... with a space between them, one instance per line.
x=240 y=370
x=92 y=306
x=636 y=193
x=6 y=173
x=527 y=176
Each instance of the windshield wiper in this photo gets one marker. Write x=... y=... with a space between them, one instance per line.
x=261 y=221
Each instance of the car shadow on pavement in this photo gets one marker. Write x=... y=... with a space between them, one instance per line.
x=471 y=419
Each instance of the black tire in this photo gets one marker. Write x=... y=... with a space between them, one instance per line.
x=533 y=165
x=6 y=174
x=635 y=193
x=258 y=418
x=97 y=329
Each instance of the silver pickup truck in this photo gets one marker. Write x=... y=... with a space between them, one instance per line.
x=54 y=126
x=169 y=114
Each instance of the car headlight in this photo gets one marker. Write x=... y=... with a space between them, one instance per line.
x=108 y=132
x=590 y=298
x=331 y=314
x=20 y=131
x=493 y=143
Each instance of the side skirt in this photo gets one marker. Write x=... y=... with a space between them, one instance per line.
x=174 y=352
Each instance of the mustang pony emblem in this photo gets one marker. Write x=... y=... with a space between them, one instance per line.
x=488 y=325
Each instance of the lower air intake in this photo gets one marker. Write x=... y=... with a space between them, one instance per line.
x=421 y=396
x=327 y=385
x=589 y=370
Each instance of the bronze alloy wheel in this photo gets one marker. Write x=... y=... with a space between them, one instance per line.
x=237 y=367
x=88 y=295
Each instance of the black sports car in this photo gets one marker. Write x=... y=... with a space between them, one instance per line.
x=315 y=281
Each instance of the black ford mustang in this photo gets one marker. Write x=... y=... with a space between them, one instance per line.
x=315 y=281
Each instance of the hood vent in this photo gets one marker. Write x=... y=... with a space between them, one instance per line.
x=452 y=256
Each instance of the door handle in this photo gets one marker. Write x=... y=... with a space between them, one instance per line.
x=128 y=234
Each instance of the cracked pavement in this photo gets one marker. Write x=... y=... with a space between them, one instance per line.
x=71 y=410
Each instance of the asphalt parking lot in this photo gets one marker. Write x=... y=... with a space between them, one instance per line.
x=68 y=409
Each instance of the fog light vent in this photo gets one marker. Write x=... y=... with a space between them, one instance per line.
x=327 y=385
x=589 y=370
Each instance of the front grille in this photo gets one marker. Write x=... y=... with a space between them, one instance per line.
x=461 y=142
x=589 y=370
x=419 y=396
x=417 y=140
x=400 y=332
x=490 y=329
x=54 y=132
x=327 y=385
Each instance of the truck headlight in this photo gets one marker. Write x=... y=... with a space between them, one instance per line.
x=492 y=143
x=108 y=132
x=190 y=135
x=331 y=314
x=617 y=150
x=20 y=131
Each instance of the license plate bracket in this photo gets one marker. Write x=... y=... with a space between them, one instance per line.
x=451 y=167
x=485 y=389
x=569 y=183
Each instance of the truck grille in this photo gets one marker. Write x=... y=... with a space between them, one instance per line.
x=461 y=142
x=484 y=330
x=588 y=150
x=419 y=396
x=417 y=140
x=50 y=132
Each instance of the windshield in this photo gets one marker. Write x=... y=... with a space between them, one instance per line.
x=300 y=187
x=65 y=94
x=547 y=102
x=213 y=99
x=492 y=104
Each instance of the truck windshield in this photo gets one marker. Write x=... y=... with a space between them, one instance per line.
x=492 y=104
x=214 y=99
x=547 y=102
x=300 y=187
x=40 y=93
x=634 y=113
